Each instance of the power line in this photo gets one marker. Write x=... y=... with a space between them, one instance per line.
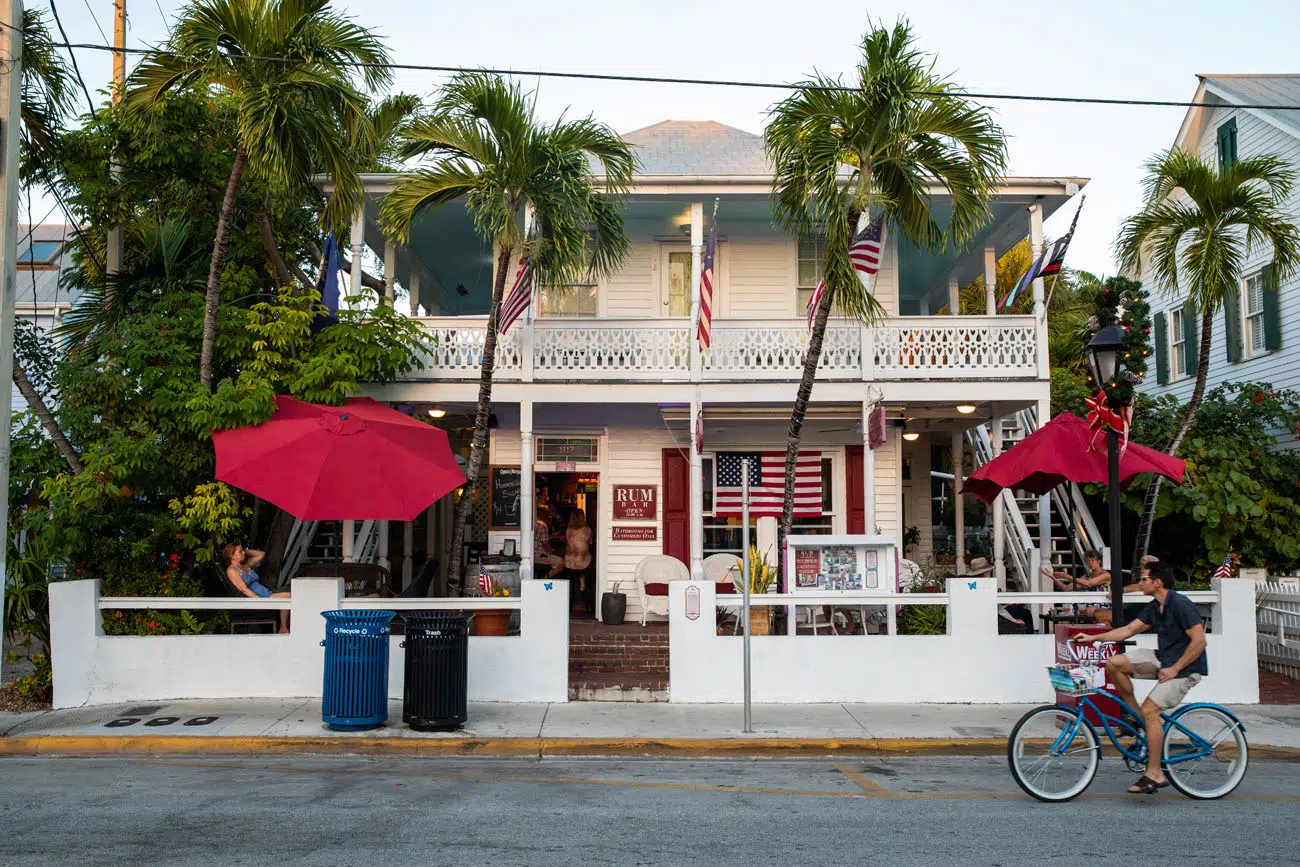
x=95 y=18
x=72 y=56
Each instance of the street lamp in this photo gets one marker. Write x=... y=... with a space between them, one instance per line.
x=1103 y=358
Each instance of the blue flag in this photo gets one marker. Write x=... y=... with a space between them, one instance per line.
x=328 y=286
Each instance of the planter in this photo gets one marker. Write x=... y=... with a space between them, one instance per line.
x=492 y=622
x=758 y=620
x=613 y=608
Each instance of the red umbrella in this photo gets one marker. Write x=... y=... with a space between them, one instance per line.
x=1058 y=452
x=360 y=461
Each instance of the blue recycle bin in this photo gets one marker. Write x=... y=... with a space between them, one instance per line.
x=356 y=669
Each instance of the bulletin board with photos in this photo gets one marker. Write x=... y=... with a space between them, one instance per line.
x=861 y=564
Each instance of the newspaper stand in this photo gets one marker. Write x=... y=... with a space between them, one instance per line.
x=1070 y=655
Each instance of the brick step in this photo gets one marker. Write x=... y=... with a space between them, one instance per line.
x=617 y=667
x=607 y=650
x=618 y=687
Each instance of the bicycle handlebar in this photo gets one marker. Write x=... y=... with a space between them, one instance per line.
x=1118 y=643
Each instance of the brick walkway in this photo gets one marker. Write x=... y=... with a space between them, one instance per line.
x=1276 y=688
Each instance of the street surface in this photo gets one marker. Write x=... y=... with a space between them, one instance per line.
x=330 y=810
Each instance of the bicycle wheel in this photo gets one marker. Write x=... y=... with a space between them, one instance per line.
x=1052 y=753
x=1205 y=752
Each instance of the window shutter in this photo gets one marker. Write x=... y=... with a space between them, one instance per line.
x=1232 y=325
x=1227 y=143
x=1162 y=350
x=1191 y=350
x=1272 y=310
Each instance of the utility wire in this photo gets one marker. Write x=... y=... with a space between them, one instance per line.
x=95 y=18
x=71 y=55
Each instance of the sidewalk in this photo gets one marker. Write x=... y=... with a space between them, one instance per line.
x=267 y=726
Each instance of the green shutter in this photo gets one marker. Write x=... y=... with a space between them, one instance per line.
x=1162 y=350
x=1272 y=310
x=1232 y=325
x=1227 y=141
x=1191 y=350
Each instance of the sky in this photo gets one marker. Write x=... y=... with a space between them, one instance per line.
x=1151 y=49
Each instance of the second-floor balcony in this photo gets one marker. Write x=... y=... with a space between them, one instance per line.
x=743 y=350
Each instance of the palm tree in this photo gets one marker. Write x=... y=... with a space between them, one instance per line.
x=290 y=66
x=489 y=148
x=47 y=96
x=840 y=154
x=1200 y=223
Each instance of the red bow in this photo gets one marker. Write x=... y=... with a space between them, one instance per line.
x=1102 y=417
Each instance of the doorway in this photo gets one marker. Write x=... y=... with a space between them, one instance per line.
x=557 y=496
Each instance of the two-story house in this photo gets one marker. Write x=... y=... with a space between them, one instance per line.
x=1254 y=338
x=597 y=392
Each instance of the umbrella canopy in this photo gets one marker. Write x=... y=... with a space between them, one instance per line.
x=359 y=461
x=1058 y=452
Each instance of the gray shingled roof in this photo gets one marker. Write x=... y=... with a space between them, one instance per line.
x=42 y=285
x=698 y=147
x=1263 y=90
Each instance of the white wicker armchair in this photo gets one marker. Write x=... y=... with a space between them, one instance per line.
x=657 y=569
x=718 y=568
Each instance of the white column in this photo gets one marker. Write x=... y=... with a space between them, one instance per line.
x=358 y=244
x=765 y=539
x=349 y=538
x=959 y=516
x=390 y=271
x=381 y=527
x=431 y=547
x=990 y=281
x=408 y=553
x=697 y=255
x=527 y=521
x=414 y=292
x=697 y=492
x=1045 y=501
x=954 y=296
x=868 y=476
x=1040 y=313
x=999 y=517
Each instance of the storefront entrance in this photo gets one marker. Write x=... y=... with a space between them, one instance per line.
x=558 y=496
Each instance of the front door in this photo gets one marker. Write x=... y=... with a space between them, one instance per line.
x=675 y=291
x=677 y=505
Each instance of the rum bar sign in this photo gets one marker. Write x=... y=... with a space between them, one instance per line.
x=636 y=502
x=635 y=533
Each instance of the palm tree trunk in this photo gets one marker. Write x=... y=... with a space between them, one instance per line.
x=797 y=415
x=1189 y=416
x=283 y=275
x=479 y=444
x=37 y=404
x=213 y=296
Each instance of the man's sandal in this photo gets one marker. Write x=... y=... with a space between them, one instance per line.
x=1146 y=786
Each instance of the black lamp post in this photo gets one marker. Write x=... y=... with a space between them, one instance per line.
x=1103 y=358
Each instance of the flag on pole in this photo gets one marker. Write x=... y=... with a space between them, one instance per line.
x=813 y=301
x=867 y=249
x=521 y=295
x=767 y=484
x=328 y=286
x=703 y=333
x=1225 y=568
x=1047 y=264
x=484 y=582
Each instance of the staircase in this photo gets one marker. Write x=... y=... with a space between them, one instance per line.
x=618 y=663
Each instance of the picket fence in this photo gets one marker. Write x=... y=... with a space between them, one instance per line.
x=1277 y=622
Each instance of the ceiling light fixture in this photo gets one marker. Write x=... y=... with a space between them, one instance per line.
x=435 y=412
x=911 y=436
x=965 y=408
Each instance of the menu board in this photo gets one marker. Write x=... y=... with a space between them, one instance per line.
x=504 y=490
x=807 y=565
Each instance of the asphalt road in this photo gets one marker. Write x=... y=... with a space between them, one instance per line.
x=358 y=811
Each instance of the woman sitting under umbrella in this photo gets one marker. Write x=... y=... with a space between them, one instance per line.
x=241 y=571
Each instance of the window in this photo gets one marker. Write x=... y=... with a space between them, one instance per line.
x=812 y=254
x=41 y=253
x=1227 y=144
x=578 y=299
x=583 y=450
x=723 y=535
x=1177 y=344
x=1252 y=308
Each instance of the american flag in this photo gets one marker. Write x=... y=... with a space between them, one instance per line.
x=521 y=295
x=484 y=582
x=1225 y=568
x=706 y=285
x=1047 y=264
x=813 y=301
x=867 y=249
x=767 y=484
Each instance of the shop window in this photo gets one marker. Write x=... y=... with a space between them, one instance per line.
x=578 y=300
x=812 y=254
x=582 y=450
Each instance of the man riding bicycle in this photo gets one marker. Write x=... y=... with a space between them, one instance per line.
x=1178 y=662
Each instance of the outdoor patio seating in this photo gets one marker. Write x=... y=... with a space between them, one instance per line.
x=247 y=621
x=652 y=575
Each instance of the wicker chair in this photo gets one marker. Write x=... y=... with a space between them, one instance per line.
x=657 y=569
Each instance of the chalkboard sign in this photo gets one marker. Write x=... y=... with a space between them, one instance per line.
x=505 y=497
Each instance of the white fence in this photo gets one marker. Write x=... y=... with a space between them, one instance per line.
x=93 y=668
x=971 y=663
x=1277 y=619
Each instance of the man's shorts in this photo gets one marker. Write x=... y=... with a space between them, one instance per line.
x=1165 y=695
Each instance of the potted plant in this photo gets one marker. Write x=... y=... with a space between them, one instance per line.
x=762 y=579
x=493 y=621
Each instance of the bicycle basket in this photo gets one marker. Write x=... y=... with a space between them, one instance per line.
x=1075 y=681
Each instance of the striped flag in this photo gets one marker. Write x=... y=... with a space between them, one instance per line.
x=813 y=301
x=767 y=484
x=867 y=249
x=1225 y=568
x=1047 y=264
x=703 y=332
x=484 y=582
x=521 y=295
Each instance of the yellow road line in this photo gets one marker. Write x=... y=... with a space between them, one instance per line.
x=864 y=782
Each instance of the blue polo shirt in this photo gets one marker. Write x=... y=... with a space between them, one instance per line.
x=1171 y=625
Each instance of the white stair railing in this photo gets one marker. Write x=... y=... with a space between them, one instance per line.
x=295 y=550
x=1019 y=541
x=366 y=547
x=1087 y=536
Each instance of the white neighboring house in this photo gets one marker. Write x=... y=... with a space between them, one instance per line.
x=38 y=297
x=1257 y=336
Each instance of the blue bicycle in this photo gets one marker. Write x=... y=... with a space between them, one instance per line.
x=1054 y=750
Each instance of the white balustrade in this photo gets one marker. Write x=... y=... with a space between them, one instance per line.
x=956 y=347
x=766 y=349
x=611 y=349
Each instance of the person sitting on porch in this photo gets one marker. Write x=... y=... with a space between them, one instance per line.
x=577 y=559
x=241 y=571
x=546 y=563
x=1096 y=579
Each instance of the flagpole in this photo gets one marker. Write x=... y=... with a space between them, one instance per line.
x=745 y=565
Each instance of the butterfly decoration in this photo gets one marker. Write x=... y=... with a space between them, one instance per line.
x=549 y=584
x=970 y=585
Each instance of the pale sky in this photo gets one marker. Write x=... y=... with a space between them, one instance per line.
x=1151 y=50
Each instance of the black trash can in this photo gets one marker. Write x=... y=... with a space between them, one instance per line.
x=613 y=608
x=355 y=693
x=435 y=695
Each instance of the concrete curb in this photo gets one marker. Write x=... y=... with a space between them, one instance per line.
x=81 y=745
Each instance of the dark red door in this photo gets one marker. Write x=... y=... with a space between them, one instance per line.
x=677 y=505
x=857 y=513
